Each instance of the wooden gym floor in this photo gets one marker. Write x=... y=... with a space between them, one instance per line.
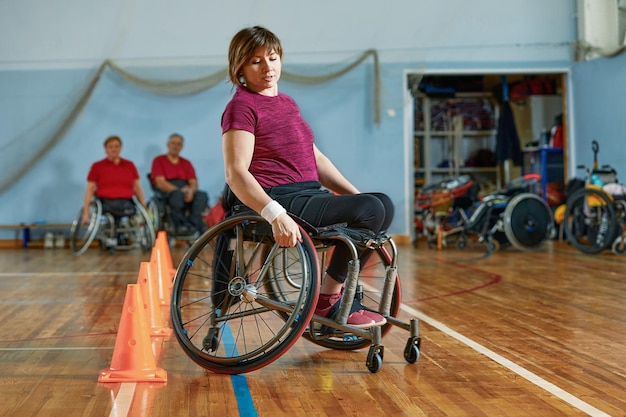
x=511 y=334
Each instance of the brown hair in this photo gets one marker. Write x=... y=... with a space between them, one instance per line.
x=243 y=45
x=112 y=138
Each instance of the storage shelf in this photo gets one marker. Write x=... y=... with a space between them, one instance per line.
x=454 y=129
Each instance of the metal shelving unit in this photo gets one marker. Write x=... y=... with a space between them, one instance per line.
x=451 y=137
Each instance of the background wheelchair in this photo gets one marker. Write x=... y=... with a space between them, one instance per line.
x=239 y=301
x=161 y=217
x=513 y=216
x=595 y=216
x=123 y=233
x=438 y=206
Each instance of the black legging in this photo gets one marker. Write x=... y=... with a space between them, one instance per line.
x=373 y=211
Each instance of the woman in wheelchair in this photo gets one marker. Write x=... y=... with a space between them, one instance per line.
x=273 y=166
x=114 y=181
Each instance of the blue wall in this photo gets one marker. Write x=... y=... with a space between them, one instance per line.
x=56 y=49
x=600 y=95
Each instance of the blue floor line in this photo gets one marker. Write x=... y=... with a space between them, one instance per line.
x=240 y=384
x=244 y=398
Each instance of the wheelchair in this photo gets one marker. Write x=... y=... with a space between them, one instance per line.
x=161 y=217
x=595 y=215
x=595 y=220
x=123 y=233
x=513 y=216
x=240 y=301
x=438 y=206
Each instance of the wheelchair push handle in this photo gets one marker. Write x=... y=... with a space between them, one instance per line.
x=595 y=147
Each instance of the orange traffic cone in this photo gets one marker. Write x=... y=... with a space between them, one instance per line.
x=133 y=360
x=148 y=282
x=164 y=274
x=165 y=249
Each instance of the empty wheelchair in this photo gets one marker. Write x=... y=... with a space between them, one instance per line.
x=240 y=301
x=438 y=207
x=594 y=220
x=113 y=233
x=595 y=215
x=513 y=216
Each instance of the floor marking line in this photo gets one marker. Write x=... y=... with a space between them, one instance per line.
x=56 y=348
x=512 y=366
x=243 y=396
x=121 y=403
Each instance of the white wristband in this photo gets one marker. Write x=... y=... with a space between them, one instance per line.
x=272 y=210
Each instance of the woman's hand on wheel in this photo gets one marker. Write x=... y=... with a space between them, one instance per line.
x=286 y=231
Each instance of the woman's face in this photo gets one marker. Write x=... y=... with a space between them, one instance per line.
x=262 y=72
x=113 y=149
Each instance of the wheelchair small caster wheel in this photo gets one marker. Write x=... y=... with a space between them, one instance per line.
x=619 y=246
x=412 y=349
x=210 y=342
x=493 y=246
x=461 y=244
x=412 y=354
x=375 y=364
x=375 y=358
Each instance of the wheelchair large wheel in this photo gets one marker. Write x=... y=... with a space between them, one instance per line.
x=146 y=234
x=369 y=292
x=527 y=221
x=81 y=235
x=590 y=221
x=223 y=314
x=154 y=211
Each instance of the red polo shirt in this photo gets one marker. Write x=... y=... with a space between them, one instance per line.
x=162 y=166
x=113 y=180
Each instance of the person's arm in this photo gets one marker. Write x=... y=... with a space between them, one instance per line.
x=238 y=147
x=164 y=185
x=330 y=177
x=138 y=190
x=89 y=193
x=190 y=189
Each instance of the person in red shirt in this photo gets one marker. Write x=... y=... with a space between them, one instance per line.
x=175 y=179
x=114 y=180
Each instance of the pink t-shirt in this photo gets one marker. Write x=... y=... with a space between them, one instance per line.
x=283 y=146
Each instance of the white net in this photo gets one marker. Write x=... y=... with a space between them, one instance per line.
x=21 y=153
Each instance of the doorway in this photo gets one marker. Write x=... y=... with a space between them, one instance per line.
x=452 y=122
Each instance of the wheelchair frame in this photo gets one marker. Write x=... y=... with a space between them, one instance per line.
x=103 y=227
x=240 y=301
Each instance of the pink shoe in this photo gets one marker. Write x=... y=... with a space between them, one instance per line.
x=328 y=306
